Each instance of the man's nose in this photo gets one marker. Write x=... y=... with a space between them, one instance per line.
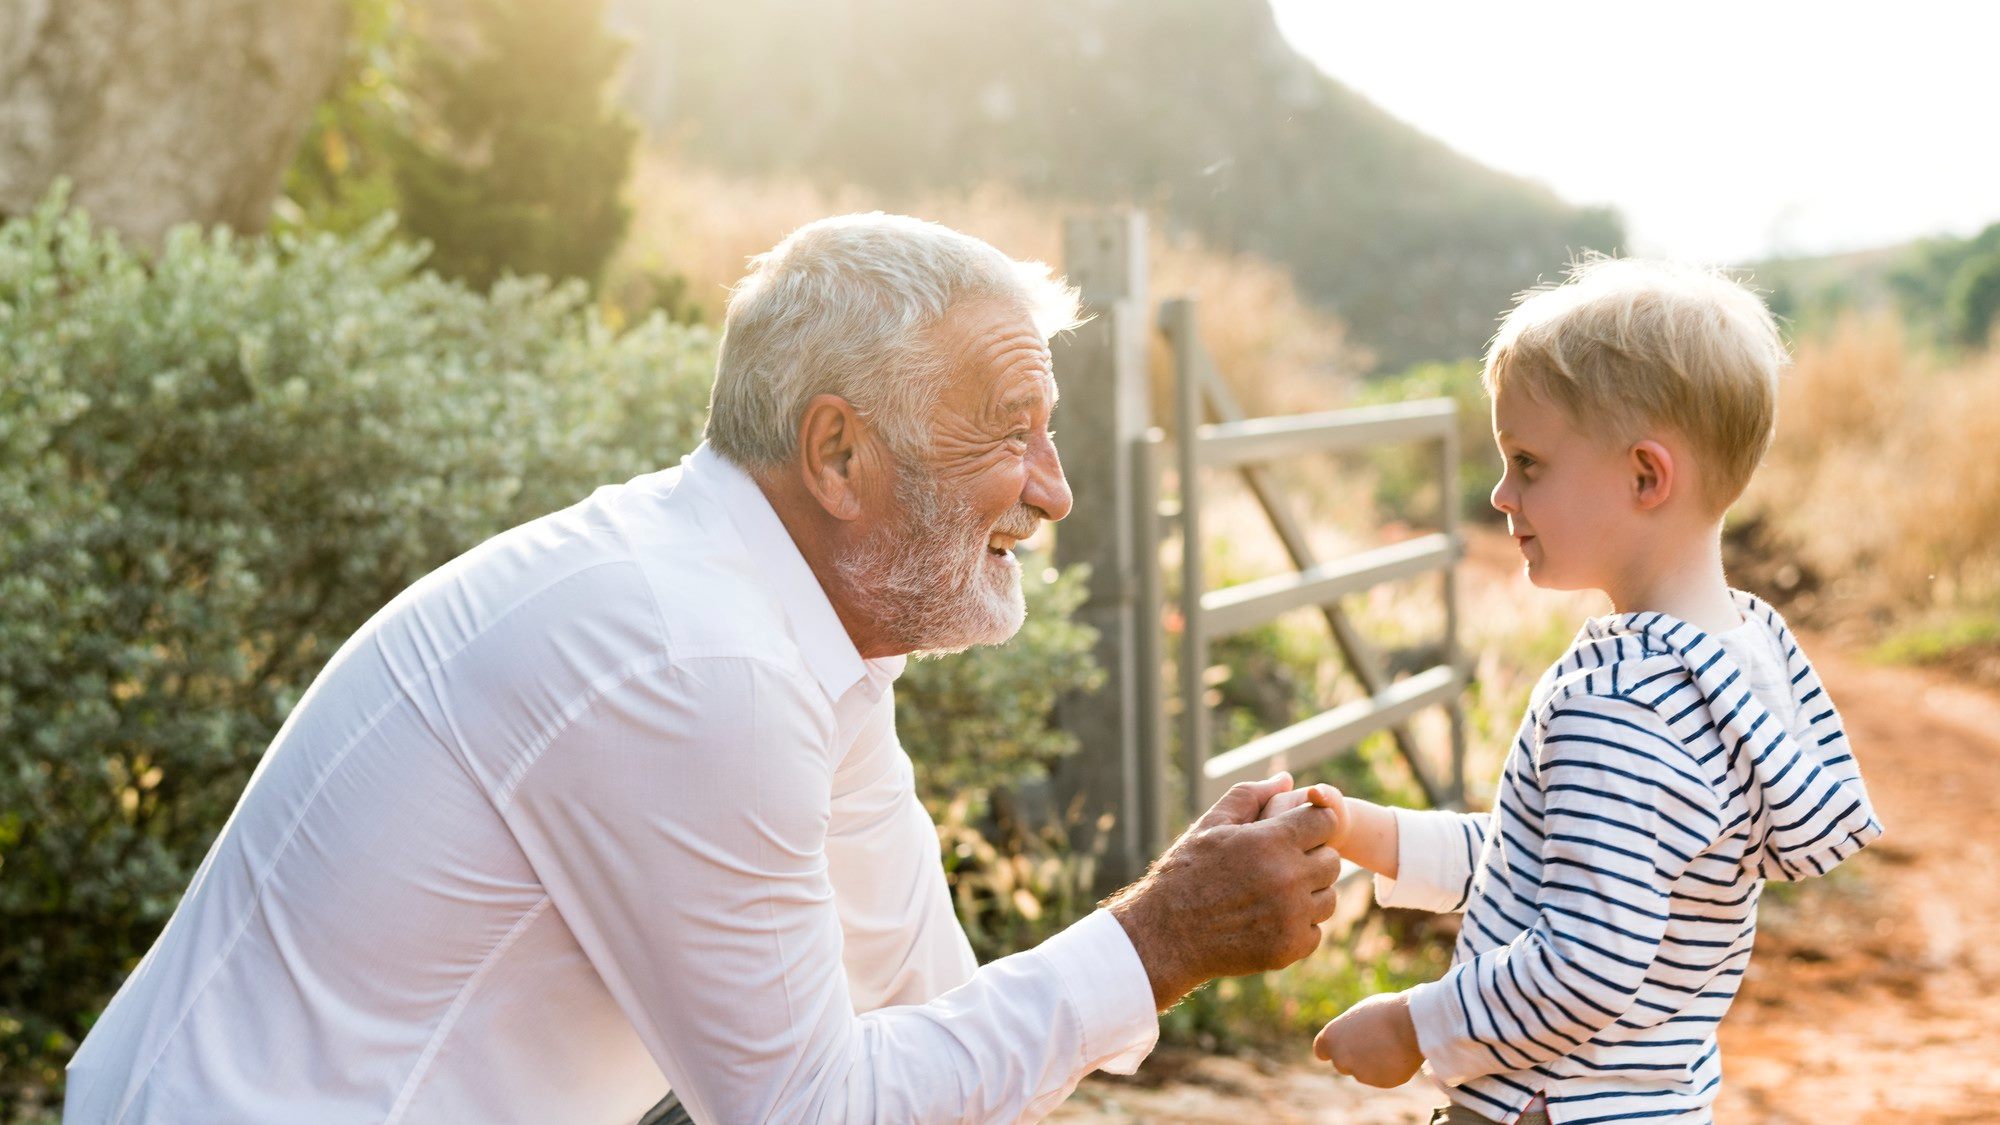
x=1048 y=490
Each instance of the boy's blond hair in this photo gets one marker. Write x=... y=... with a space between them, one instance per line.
x=1625 y=344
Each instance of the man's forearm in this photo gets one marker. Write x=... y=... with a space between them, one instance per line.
x=1159 y=946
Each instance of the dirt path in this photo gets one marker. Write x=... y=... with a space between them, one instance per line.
x=1877 y=996
x=1874 y=996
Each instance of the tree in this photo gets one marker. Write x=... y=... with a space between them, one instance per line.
x=1972 y=303
x=160 y=113
x=515 y=160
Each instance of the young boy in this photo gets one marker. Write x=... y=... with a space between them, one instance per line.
x=1678 y=756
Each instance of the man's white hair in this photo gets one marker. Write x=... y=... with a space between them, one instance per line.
x=849 y=306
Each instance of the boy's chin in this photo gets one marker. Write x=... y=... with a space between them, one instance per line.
x=1543 y=579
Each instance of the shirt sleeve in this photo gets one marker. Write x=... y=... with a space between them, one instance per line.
x=1626 y=809
x=901 y=941
x=1437 y=851
x=681 y=825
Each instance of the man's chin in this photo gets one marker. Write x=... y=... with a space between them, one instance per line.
x=998 y=627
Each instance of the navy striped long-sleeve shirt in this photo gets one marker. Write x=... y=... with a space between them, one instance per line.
x=1660 y=777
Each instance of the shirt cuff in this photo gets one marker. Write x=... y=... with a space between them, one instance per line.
x=1430 y=843
x=1442 y=1032
x=1107 y=983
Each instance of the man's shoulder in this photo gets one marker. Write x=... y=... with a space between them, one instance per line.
x=636 y=572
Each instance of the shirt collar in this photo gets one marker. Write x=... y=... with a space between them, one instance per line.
x=823 y=641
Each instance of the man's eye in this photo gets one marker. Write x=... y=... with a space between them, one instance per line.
x=1018 y=435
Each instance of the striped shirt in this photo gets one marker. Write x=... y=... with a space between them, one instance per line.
x=1660 y=777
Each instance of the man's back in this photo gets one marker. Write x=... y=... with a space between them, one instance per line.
x=367 y=912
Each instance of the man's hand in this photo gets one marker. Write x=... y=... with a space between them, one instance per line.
x=1234 y=894
x=1374 y=1042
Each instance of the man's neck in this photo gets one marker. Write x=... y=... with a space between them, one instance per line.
x=814 y=533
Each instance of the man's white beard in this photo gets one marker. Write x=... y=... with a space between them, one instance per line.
x=927 y=582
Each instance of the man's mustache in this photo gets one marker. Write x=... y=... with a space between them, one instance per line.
x=1019 y=524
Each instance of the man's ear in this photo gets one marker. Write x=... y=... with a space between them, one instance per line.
x=1651 y=468
x=832 y=455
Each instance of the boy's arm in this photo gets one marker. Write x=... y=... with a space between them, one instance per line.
x=1423 y=859
x=1625 y=809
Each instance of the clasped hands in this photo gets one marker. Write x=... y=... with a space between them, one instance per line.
x=1244 y=890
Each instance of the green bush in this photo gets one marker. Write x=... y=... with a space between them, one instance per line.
x=215 y=464
x=981 y=717
x=978 y=722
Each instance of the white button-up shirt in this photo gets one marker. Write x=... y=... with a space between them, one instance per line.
x=608 y=804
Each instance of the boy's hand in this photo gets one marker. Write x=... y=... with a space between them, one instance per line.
x=1374 y=1042
x=1320 y=796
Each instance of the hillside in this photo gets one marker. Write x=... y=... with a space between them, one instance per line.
x=1946 y=289
x=1199 y=108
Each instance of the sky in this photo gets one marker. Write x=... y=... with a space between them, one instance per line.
x=1721 y=132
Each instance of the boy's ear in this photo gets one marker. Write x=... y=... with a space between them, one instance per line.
x=837 y=456
x=1651 y=468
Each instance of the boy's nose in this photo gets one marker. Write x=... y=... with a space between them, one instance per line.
x=1500 y=500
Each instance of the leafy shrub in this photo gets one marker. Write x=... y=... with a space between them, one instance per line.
x=981 y=717
x=214 y=466
x=979 y=722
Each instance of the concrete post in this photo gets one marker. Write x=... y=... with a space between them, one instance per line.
x=1101 y=368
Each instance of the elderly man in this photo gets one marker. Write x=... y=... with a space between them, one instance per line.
x=614 y=804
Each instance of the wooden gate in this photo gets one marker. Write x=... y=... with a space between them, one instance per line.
x=1124 y=765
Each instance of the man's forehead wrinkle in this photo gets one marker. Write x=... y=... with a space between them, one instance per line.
x=1040 y=391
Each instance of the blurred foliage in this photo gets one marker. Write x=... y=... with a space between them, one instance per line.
x=485 y=127
x=1949 y=288
x=515 y=162
x=1198 y=109
x=983 y=714
x=1944 y=291
x=1406 y=475
x=342 y=178
x=1387 y=952
x=694 y=227
x=1013 y=883
x=978 y=726
x=1871 y=422
x=216 y=464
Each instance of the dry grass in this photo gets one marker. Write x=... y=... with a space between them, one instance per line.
x=1281 y=354
x=1883 y=477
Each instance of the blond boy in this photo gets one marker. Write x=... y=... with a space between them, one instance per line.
x=1678 y=756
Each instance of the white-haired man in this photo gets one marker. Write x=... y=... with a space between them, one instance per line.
x=614 y=804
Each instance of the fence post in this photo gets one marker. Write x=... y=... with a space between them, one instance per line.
x=1102 y=370
x=1448 y=492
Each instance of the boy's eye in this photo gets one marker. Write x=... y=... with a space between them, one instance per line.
x=1523 y=460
